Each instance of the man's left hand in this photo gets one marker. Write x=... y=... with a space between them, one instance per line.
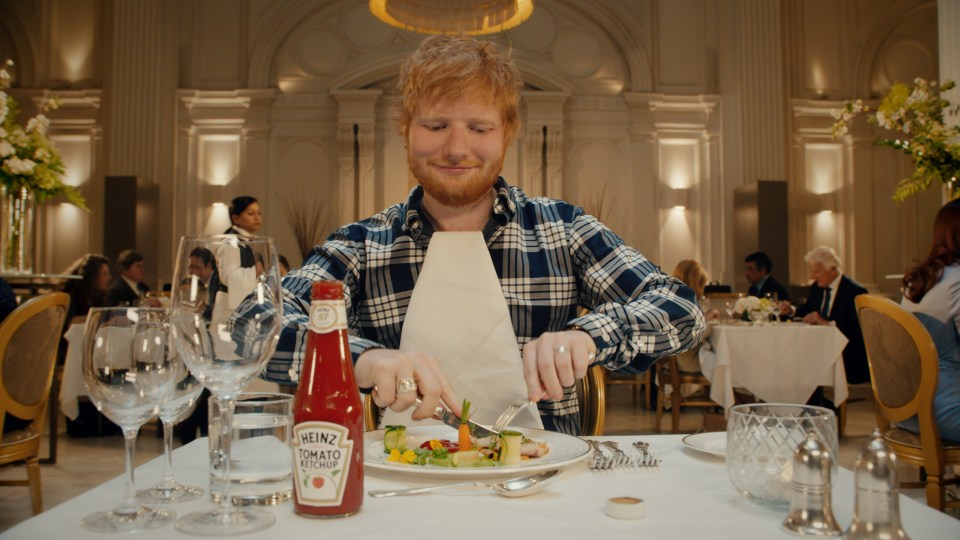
x=815 y=318
x=556 y=360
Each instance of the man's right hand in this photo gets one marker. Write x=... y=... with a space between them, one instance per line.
x=385 y=369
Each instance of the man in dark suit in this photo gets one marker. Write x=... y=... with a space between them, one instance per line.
x=831 y=300
x=129 y=289
x=757 y=268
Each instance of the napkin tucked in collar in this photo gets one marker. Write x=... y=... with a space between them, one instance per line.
x=458 y=315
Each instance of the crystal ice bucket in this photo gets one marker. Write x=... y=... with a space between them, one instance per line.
x=761 y=439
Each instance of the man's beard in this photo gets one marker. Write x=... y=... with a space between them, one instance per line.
x=456 y=191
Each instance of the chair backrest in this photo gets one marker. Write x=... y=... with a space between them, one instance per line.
x=592 y=393
x=29 y=338
x=722 y=295
x=716 y=287
x=371 y=413
x=903 y=363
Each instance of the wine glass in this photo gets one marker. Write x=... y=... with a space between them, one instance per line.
x=773 y=307
x=128 y=371
x=178 y=404
x=226 y=328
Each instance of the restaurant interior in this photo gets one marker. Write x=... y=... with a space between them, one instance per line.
x=695 y=129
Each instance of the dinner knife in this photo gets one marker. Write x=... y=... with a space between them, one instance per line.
x=452 y=420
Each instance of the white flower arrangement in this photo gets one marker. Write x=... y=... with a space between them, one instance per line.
x=28 y=159
x=929 y=137
x=747 y=304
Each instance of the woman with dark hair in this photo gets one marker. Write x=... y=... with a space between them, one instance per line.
x=91 y=289
x=931 y=291
x=244 y=216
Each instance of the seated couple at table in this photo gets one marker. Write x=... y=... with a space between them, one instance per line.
x=490 y=311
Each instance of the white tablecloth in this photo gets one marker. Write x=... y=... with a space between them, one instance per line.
x=71 y=386
x=688 y=496
x=782 y=363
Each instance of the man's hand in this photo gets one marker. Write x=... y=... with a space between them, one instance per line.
x=786 y=308
x=399 y=378
x=815 y=318
x=556 y=360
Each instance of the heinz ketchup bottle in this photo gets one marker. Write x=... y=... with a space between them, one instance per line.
x=327 y=415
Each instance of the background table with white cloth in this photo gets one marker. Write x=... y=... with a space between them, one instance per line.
x=71 y=385
x=778 y=363
x=688 y=496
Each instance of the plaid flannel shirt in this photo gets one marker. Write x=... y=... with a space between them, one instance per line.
x=550 y=257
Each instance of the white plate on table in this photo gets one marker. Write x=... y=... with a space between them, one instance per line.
x=713 y=442
x=565 y=450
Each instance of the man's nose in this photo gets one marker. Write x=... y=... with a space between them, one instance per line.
x=455 y=145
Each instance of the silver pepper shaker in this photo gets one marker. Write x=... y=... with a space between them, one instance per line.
x=876 y=508
x=811 y=511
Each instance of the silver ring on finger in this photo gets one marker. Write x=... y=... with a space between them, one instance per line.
x=406 y=385
x=561 y=349
x=591 y=357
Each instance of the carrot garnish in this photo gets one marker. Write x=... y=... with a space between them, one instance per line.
x=464 y=431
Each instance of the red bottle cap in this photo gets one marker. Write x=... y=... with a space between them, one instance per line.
x=326 y=290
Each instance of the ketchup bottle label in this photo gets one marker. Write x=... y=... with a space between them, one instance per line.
x=321 y=452
x=327 y=316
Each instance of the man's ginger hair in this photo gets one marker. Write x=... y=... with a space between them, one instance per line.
x=453 y=67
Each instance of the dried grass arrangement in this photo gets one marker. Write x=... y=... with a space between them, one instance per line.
x=306 y=214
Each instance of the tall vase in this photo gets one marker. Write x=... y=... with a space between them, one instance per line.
x=16 y=231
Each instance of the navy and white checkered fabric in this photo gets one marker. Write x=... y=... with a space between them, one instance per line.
x=550 y=258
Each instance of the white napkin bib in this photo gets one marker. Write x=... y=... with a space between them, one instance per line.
x=458 y=315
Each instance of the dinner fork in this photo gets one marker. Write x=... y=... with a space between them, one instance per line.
x=620 y=457
x=600 y=459
x=509 y=413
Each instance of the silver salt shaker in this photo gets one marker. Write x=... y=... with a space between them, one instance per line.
x=811 y=511
x=876 y=509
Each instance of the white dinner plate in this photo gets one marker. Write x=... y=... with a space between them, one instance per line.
x=713 y=442
x=565 y=450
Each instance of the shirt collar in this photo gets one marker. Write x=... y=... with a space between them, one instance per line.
x=243 y=233
x=763 y=280
x=835 y=284
x=419 y=228
x=134 y=286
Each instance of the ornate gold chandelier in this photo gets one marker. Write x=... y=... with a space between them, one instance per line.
x=470 y=17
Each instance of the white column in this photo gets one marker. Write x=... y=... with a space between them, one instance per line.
x=948 y=34
x=356 y=152
x=762 y=90
x=543 y=110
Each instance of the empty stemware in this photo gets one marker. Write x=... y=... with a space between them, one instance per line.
x=128 y=372
x=176 y=407
x=226 y=329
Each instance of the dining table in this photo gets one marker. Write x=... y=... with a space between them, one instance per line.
x=688 y=495
x=72 y=387
x=780 y=362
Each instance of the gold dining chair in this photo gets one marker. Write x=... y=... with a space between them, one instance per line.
x=904 y=370
x=29 y=338
x=668 y=372
x=591 y=391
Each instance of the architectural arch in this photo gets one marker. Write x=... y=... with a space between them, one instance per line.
x=872 y=48
x=16 y=43
x=639 y=66
x=291 y=15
